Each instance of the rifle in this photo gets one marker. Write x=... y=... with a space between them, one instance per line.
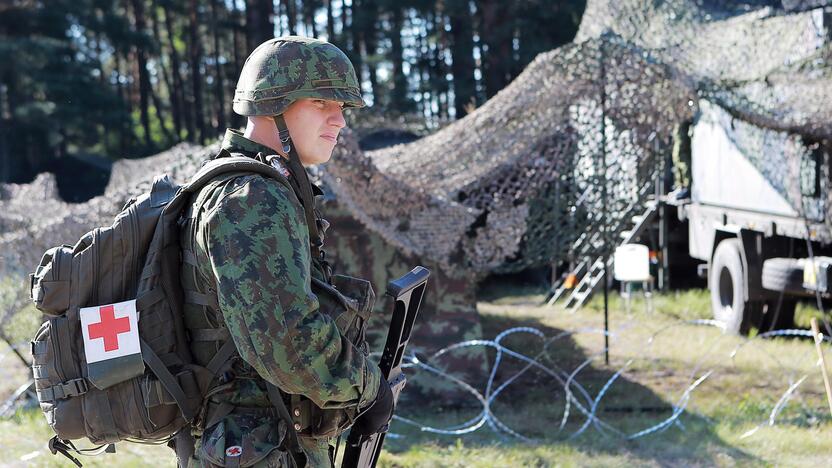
x=407 y=293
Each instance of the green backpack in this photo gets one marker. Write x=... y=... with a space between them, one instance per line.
x=112 y=362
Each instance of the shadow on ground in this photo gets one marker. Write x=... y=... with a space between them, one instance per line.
x=533 y=406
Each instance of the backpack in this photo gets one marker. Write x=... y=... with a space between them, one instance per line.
x=112 y=362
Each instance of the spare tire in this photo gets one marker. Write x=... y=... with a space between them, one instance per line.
x=784 y=274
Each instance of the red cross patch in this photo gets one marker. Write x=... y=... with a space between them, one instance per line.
x=234 y=451
x=110 y=331
x=109 y=327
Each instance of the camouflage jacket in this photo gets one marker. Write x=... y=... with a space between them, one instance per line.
x=252 y=245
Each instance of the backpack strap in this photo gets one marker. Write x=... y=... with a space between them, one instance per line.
x=306 y=194
x=170 y=382
x=224 y=164
x=276 y=398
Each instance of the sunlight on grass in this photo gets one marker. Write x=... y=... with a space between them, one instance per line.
x=658 y=355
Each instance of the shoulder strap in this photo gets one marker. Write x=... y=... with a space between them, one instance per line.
x=224 y=165
x=300 y=175
x=276 y=398
x=299 y=183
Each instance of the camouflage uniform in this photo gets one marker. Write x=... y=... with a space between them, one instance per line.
x=252 y=242
x=253 y=272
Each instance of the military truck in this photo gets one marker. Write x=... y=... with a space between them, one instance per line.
x=759 y=216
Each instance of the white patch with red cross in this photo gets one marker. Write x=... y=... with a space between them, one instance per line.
x=110 y=331
x=234 y=451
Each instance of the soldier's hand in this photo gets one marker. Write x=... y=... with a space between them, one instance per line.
x=377 y=417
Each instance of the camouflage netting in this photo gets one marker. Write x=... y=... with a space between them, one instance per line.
x=577 y=138
x=33 y=218
x=496 y=190
x=518 y=182
x=575 y=142
x=768 y=61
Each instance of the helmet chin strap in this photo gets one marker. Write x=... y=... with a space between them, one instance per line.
x=307 y=198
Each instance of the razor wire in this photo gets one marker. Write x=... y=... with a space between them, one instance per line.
x=585 y=403
x=577 y=398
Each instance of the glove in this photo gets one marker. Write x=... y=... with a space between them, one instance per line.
x=376 y=418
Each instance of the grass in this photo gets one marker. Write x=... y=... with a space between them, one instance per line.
x=657 y=355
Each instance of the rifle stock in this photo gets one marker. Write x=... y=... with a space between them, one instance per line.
x=407 y=293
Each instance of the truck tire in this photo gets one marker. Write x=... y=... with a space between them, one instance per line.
x=783 y=274
x=726 y=280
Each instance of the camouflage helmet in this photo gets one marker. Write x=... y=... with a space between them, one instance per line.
x=285 y=69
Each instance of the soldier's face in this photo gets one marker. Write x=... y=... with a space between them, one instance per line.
x=314 y=125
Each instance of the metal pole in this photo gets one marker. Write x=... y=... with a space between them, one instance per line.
x=604 y=233
x=663 y=221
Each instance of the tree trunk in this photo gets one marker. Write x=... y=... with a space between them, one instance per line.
x=330 y=23
x=370 y=35
x=160 y=116
x=178 y=82
x=422 y=70
x=5 y=115
x=398 y=98
x=103 y=82
x=462 y=55
x=237 y=16
x=259 y=26
x=309 y=8
x=98 y=52
x=291 y=16
x=166 y=74
x=236 y=120
x=144 y=79
x=496 y=32
x=125 y=127
x=354 y=52
x=195 y=49
x=438 y=71
x=345 y=24
x=427 y=67
x=220 y=82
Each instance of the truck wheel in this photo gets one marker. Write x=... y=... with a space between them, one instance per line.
x=727 y=283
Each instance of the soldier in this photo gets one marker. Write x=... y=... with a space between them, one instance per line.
x=681 y=157
x=253 y=270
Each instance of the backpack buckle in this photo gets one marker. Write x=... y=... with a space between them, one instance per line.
x=63 y=390
x=71 y=388
x=77 y=387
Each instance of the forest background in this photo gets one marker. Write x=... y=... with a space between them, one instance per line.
x=91 y=81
